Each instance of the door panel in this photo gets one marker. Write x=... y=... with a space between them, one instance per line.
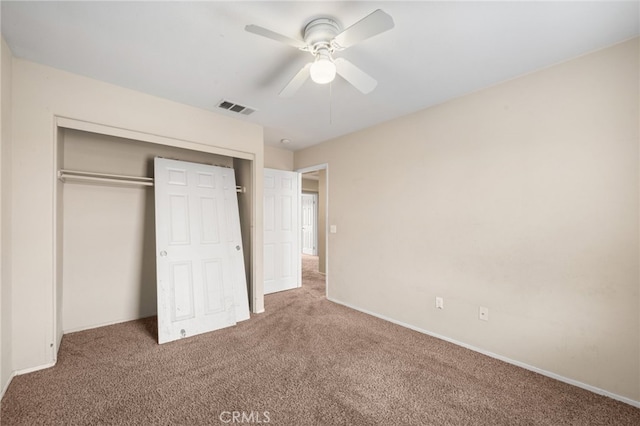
x=214 y=296
x=201 y=286
x=179 y=219
x=286 y=212
x=269 y=262
x=208 y=228
x=182 y=289
x=281 y=230
x=288 y=259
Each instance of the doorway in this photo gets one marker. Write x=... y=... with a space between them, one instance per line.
x=315 y=266
x=310 y=223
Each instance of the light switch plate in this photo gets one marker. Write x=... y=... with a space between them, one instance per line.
x=333 y=229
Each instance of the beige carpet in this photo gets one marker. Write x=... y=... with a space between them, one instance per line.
x=306 y=361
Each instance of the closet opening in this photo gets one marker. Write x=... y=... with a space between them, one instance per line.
x=106 y=257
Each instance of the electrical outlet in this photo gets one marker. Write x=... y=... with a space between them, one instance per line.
x=439 y=302
x=483 y=313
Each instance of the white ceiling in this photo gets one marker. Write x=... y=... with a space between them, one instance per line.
x=198 y=53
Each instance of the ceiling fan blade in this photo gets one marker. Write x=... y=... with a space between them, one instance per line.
x=354 y=75
x=255 y=29
x=373 y=24
x=296 y=82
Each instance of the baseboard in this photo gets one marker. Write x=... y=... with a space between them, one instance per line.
x=496 y=356
x=6 y=385
x=105 y=324
x=33 y=369
x=20 y=372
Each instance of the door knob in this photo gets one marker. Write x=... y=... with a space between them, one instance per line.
x=163 y=253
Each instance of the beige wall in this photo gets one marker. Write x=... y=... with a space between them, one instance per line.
x=309 y=185
x=39 y=95
x=5 y=218
x=522 y=198
x=278 y=158
x=109 y=270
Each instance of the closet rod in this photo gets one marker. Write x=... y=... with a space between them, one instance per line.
x=63 y=175
x=77 y=175
x=68 y=173
x=64 y=178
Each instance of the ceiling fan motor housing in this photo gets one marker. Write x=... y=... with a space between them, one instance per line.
x=319 y=33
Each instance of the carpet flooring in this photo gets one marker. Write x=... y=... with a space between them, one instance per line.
x=305 y=361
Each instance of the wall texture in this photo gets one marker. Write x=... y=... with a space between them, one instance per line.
x=278 y=158
x=5 y=217
x=522 y=198
x=40 y=94
x=109 y=266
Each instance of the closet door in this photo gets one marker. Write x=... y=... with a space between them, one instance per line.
x=201 y=278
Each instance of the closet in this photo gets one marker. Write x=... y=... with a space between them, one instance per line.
x=108 y=227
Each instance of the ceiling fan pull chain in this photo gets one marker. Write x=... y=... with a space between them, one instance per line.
x=331 y=103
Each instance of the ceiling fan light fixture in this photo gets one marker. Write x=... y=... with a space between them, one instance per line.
x=323 y=70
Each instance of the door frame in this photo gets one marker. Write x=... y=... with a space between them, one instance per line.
x=315 y=168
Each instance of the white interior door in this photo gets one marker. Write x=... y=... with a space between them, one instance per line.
x=282 y=269
x=309 y=227
x=200 y=267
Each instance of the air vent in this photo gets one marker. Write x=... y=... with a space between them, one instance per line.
x=240 y=109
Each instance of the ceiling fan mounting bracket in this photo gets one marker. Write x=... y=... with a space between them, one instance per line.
x=319 y=33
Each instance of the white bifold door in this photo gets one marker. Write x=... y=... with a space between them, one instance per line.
x=282 y=268
x=200 y=266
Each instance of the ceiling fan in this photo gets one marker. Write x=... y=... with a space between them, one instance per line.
x=323 y=37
